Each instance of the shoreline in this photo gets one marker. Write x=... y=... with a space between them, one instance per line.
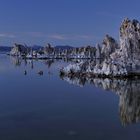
x=130 y=75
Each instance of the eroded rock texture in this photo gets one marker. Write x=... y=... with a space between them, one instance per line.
x=122 y=59
x=19 y=50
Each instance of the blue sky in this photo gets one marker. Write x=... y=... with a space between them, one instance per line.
x=72 y=22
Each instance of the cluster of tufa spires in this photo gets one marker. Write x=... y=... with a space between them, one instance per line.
x=87 y=52
x=118 y=59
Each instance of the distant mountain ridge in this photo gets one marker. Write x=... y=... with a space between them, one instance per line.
x=63 y=47
x=5 y=48
x=36 y=47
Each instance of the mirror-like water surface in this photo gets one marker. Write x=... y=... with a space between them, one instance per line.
x=44 y=106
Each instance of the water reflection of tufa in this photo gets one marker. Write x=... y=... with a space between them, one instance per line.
x=130 y=103
x=128 y=91
x=74 y=80
x=16 y=61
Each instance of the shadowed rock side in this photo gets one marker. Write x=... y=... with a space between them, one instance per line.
x=118 y=60
x=19 y=50
x=127 y=90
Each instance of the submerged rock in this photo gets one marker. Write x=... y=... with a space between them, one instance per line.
x=40 y=72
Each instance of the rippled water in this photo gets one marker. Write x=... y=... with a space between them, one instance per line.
x=49 y=107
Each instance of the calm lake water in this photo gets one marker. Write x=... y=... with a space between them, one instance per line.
x=49 y=107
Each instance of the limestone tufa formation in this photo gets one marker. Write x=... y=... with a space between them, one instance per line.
x=122 y=59
x=19 y=50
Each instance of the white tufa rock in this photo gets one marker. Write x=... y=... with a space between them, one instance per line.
x=19 y=50
x=118 y=59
